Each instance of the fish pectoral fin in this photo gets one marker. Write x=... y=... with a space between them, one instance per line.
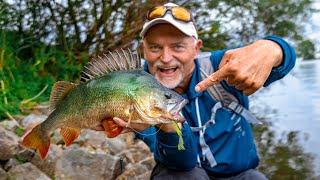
x=36 y=140
x=111 y=128
x=59 y=91
x=69 y=134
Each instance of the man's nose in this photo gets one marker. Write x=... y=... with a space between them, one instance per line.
x=166 y=55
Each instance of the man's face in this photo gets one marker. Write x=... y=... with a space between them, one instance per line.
x=170 y=55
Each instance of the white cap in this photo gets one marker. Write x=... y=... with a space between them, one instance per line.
x=187 y=28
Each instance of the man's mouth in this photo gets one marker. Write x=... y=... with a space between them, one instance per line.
x=168 y=70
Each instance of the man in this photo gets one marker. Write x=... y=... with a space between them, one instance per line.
x=225 y=148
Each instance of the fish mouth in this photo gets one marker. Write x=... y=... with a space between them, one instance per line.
x=178 y=106
x=176 y=109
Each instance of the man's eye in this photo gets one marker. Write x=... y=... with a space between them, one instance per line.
x=178 y=47
x=154 y=48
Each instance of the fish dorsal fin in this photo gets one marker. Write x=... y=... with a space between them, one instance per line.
x=59 y=91
x=118 y=60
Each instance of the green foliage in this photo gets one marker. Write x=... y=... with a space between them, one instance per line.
x=27 y=66
x=306 y=49
x=234 y=22
x=45 y=41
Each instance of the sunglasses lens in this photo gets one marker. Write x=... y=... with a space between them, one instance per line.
x=156 y=12
x=181 y=14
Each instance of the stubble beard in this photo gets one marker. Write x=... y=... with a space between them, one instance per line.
x=170 y=82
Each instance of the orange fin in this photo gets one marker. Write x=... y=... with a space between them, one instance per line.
x=69 y=134
x=111 y=128
x=36 y=140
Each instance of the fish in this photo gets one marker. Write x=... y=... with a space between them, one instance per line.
x=111 y=85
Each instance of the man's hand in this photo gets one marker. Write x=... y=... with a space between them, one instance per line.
x=246 y=68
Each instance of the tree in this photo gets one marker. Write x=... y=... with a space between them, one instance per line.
x=306 y=49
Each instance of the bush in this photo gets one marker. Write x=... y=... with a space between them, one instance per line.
x=28 y=66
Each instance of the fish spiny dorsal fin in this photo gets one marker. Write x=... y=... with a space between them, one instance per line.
x=118 y=60
x=59 y=91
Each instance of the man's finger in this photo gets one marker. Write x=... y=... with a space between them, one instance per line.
x=120 y=122
x=214 y=78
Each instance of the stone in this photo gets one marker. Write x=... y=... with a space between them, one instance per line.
x=94 y=139
x=3 y=174
x=98 y=140
x=49 y=163
x=11 y=163
x=8 y=144
x=42 y=108
x=32 y=120
x=26 y=171
x=149 y=162
x=135 y=155
x=25 y=155
x=116 y=145
x=82 y=165
x=134 y=172
x=10 y=125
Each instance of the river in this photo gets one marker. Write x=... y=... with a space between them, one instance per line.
x=291 y=109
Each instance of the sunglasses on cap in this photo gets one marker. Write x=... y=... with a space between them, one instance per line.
x=179 y=13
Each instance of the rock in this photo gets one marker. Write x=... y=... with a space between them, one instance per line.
x=3 y=174
x=149 y=162
x=25 y=172
x=98 y=140
x=11 y=163
x=48 y=165
x=37 y=109
x=94 y=139
x=10 y=125
x=82 y=165
x=8 y=144
x=116 y=145
x=135 y=155
x=135 y=172
x=25 y=155
x=145 y=176
x=32 y=120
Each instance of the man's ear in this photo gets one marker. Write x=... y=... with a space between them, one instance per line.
x=198 y=45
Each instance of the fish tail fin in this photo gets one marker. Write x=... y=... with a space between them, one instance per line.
x=69 y=134
x=38 y=140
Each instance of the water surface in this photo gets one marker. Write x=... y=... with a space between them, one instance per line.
x=291 y=108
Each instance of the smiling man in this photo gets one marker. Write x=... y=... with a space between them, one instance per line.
x=170 y=55
x=218 y=138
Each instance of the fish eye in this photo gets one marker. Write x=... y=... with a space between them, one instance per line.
x=168 y=96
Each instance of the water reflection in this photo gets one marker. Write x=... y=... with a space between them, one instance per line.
x=289 y=144
x=283 y=158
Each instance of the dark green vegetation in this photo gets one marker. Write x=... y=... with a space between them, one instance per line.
x=43 y=41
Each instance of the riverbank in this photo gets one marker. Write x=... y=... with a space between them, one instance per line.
x=91 y=156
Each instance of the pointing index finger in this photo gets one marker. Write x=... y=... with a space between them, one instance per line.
x=214 y=78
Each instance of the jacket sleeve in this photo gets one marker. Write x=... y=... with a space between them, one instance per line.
x=289 y=59
x=167 y=153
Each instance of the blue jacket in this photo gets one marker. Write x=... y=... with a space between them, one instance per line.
x=232 y=144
